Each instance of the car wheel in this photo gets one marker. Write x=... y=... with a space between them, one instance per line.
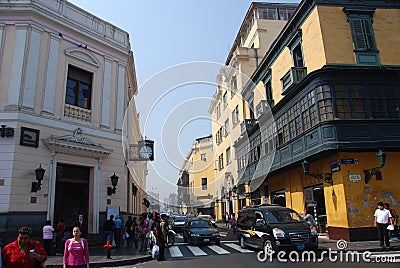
x=241 y=241
x=218 y=242
x=268 y=248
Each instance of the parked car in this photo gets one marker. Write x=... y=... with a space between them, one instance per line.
x=208 y=218
x=275 y=228
x=178 y=223
x=199 y=231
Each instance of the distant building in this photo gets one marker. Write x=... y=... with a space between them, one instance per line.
x=261 y=26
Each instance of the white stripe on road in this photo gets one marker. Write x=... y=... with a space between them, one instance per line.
x=175 y=252
x=218 y=250
x=224 y=234
x=238 y=248
x=196 y=251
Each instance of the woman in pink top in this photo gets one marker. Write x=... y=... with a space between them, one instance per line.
x=76 y=253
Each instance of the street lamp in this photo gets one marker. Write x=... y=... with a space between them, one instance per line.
x=39 y=172
x=114 y=181
x=326 y=177
x=377 y=170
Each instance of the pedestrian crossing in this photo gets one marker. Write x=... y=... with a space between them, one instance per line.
x=185 y=250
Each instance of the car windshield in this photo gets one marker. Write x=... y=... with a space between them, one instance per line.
x=179 y=219
x=206 y=217
x=199 y=224
x=283 y=216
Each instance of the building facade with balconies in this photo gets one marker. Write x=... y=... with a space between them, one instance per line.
x=330 y=145
x=66 y=79
x=260 y=27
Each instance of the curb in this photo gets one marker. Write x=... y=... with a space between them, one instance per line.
x=111 y=263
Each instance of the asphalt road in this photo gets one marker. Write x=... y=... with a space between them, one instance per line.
x=229 y=254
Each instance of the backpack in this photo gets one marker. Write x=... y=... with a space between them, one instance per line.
x=70 y=244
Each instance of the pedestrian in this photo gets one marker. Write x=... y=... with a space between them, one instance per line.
x=76 y=251
x=382 y=217
x=108 y=229
x=47 y=232
x=60 y=232
x=144 y=227
x=24 y=252
x=392 y=233
x=160 y=227
x=134 y=233
x=127 y=230
x=233 y=223
x=118 y=231
x=227 y=220
x=83 y=226
x=308 y=218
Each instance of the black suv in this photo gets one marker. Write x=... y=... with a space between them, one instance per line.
x=275 y=228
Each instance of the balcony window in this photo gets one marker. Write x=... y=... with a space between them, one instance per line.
x=392 y=102
x=79 y=88
x=204 y=183
x=342 y=102
x=225 y=99
x=358 y=102
x=235 y=116
x=324 y=103
x=226 y=127
x=228 y=156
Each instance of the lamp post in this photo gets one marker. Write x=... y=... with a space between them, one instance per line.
x=39 y=172
x=326 y=177
x=376 y=171
x=114 y=181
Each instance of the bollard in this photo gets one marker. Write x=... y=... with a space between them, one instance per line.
x=108 y=248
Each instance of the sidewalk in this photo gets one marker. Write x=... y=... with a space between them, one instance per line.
x=325 y=243
x=119 y=257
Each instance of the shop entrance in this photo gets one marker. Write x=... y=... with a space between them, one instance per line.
x=72 y=194
x=315 y=205
x=278 y=197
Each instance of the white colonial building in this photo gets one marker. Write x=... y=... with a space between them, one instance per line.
x=66 y=79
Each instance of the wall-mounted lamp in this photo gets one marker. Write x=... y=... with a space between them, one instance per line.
x=326 y=177
x=114 y=181
x=134 y=189
x=36 y=186
x=377 y=170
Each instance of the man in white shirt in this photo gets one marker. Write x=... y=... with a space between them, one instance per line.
x=382 y=217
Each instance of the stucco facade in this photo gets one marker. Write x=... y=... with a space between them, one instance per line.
x=66 y=79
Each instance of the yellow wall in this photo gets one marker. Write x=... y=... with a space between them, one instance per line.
x=387 y=35
x=279 y=68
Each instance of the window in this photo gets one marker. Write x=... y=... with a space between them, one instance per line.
x=362 y=31
x=324 y=103
x=225 y=99
x=342 y=102
x=226 y=127
x=305 y=114
x=267 y=13
x=376 y=98
x=204 y=183
x=233 y=86
x=268 y=93
x=358 y=102
x=218 y=110
x=203 y=157
x=228 y=156
x=312 y=107
x=79 y=88
x=297 y=56
x=235 y=116
x=392 y=102
x=221 y=161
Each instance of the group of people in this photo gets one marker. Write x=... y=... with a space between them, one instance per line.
x=230 y=222
x=25 y=252
x=386 y=220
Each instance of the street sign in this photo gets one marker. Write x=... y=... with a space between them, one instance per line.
x=335 y=166
x=349 y=161
x=355 y=177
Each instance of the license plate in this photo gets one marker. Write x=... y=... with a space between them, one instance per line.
x=206 y=240
x=300 y=247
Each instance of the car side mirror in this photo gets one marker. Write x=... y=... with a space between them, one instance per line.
x=259 y=222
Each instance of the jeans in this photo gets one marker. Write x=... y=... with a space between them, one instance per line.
x=109 y=235
x=383 y=234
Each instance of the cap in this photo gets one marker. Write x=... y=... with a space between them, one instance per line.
x=380 y=203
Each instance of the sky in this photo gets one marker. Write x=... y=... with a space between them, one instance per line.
x=167 y=37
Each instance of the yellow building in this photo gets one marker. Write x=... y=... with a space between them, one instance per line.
x=200 y=170
x=332 y=76
x=260 y=27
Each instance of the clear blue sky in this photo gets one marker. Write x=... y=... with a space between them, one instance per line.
x=167 y=33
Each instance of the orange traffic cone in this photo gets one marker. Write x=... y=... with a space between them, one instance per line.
x=108 y=248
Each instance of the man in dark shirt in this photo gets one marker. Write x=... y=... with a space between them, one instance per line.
x=83 y=226
x=108 y=228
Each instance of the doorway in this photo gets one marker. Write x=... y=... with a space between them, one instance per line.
x=315 y=205
x=72 y=194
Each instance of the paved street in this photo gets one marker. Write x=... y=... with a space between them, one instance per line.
x=229 y=252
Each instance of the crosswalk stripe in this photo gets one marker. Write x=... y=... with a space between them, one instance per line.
x=175 y=252
x=224 y=234
x=238 y=248
x=218 y=249
x=196 y=251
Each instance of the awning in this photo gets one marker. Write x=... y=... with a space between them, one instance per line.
x=256 y=183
